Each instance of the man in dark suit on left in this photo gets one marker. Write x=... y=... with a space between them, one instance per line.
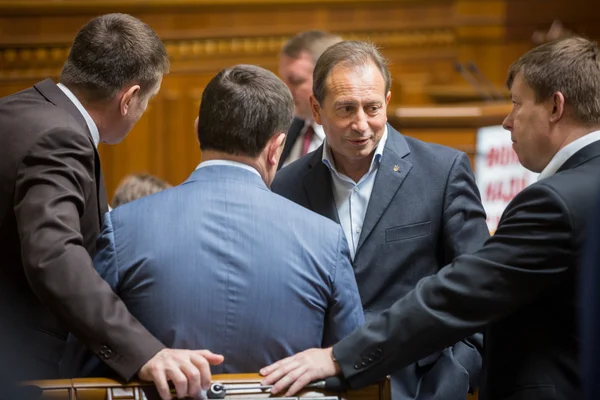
x=52 y=200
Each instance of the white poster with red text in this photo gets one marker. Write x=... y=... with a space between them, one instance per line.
x=498 y=173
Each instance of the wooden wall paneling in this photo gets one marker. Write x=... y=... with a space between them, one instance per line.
x=422 y=40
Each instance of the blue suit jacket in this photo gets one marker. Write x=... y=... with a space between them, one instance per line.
x=222 y=263
x=424 y=211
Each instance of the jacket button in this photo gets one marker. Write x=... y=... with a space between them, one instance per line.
x=363 y=363
x=378 y=352
x=357 y=366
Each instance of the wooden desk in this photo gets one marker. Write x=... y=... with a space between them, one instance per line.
x=108 y=389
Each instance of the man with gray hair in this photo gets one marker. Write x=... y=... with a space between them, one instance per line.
x=407 y=207
x=522 y=285
x=220 y=261
x=296 y=63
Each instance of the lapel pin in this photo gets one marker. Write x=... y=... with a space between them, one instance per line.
x=396 y=168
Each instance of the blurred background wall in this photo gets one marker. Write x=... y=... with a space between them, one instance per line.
x=448 y=58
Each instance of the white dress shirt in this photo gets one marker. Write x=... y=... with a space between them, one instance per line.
x=317 y=139
x=229 y=163
x=352 y=198
x=88 y=119
x=566 y=152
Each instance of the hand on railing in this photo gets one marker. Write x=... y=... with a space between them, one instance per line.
x=188 y=370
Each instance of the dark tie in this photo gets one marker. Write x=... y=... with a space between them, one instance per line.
x=308 y=136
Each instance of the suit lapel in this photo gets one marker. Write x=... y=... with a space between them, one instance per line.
x=393 y=169
x=52 y=93
x=590 y=151
x=100 y=188
x=318 y=186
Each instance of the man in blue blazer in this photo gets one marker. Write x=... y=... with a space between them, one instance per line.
x=407 y=207
x=220 y=262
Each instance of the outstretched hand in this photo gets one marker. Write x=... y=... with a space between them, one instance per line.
x=189 y=370
x=299 y=370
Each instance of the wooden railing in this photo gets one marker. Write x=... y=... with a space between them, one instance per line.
x=108 y=389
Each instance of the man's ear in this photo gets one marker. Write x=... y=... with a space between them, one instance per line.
x=127 y=98
x=558 y=107
x=315 y=107
x=275 y=148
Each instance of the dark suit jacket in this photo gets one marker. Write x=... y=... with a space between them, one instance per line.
x=51 y=203
x=290 y=139
x=590 y=305
x=419 y=218
x=520 y=284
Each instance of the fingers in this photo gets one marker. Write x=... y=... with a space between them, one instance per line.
x=194 y=377
x=188 y=370
x=212 y=358
x=274 y=372
x=298 y=371
x=203 y=367
x=179 y=381
x=160 y=381
x=302 y=380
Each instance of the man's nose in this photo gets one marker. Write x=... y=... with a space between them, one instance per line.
x=361 y=122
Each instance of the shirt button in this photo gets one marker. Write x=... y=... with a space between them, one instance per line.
x=356 y=188
x=357 y=230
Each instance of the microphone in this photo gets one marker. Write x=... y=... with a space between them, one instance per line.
x=485 y=81
x=474 y=83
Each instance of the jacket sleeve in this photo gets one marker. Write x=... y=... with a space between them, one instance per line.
x=53 y=181
x=531 y=251
x=464 y=231
x=345 y=312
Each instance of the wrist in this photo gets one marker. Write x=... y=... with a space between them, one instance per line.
x=336 y=365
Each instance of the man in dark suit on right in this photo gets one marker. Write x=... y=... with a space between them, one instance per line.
x=590 y=306
x=521 y=286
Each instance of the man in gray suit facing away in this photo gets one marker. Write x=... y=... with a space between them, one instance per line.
x=407 y=207
x=220 y=261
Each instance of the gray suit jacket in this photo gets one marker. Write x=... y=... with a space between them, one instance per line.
x=220 y=262
x=521 y=285
x=424 y=211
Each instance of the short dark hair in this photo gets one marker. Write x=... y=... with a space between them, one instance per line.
x=348 y=53
x=569 y=65
x=110 y=52
x=242 y=107
x=314 y=42
x=135 y=186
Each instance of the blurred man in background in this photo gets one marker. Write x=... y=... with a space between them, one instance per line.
x=296 y=63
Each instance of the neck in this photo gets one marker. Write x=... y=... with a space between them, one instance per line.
x=353 y=169
x=97 y=112
x=574 y=132
x=210 y=155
